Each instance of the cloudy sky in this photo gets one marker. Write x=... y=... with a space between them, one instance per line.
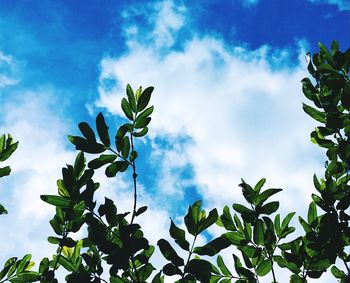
x=227 y=100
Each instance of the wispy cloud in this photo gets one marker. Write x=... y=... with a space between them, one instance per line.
x=8 y=72
x=341 y=4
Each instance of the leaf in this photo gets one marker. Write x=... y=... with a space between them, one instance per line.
x=179 y=236
x=3 y=210
x=305 y=225
x=258 y=235
x=143 y=115
x=259 y=185
x=126 y=148
x=207 y=222
x=170 y=270
x=241 y=208
x=222 y=266
x=127 y=109
x=286 y=220
x=142 y=123
x=191 y=218
x=248 y=192
x=213 y=247
x=101 y=161
x=169 y=253
x=5 y=171
x=144 y=98
x=235 y=238
x=201 y=269
x=82 y=144
x=337 y=273
x=141 y=210
x=312 y=213
x=315 y=114
x=79 y=164
x=131 y=98
x=266 y=194
x=56 y=200
x=141 y=133
x=102 y=130
x=23 y=263
x=115 y=167
x=87 y=132
x=9 y=149
x=264 y=267
x=270 y=207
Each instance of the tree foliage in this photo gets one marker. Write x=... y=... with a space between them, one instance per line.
x=255 y=232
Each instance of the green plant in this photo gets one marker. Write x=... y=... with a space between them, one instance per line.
x=254 y=232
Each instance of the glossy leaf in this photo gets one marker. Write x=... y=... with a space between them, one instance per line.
x=102 y=130
x=144 y=98
x=169 y=253
x=56 y=200
x=179 y=236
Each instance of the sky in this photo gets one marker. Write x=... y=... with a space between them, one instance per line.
x=227 y=101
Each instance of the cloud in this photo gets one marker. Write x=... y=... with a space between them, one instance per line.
x=343 y=5
x=225 y=112
x=7 y=71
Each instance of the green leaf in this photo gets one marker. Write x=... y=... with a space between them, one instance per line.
x=141 y=133
x=235 y=238
x=241 y=208
x=5 y=171
x=286 y=220
x=191 y=218
x=248 y=192
x=312 y=213
x=87 y=132
x=337 y=273
x=56 y=200
x=201 y=269
x=305 y=225
x=270 y=207
x=207 y=222
x=82 y=144
x=266 y=194
x=115 y=167
x=258 y=235
x=213 y=247
x=179 y=236
x=102 y=130
x=222 y=266
x=334 y=47
x=315 y=114
x=264 y=267
x=131 y=98
x=141 y=210
x=79 y=164
x=23 y=263
x=144 y=98
x=101 y=161
x=9 y=149
x=170 y=270
x=169 y=253
x=259 y=185
x=126 y=148
x=3 y=210
x=142 y=123
x=277 y=224
x=227 y=220
x=127 y=109
x=324 y=51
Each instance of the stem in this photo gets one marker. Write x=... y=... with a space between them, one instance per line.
x=65 y=233
x=134 y=176
x=346 y=265
x=189 y=255
x=272 y=270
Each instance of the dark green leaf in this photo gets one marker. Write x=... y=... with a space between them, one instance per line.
x=207 y=222
x=56 y=200
x=266 y=194
x=235 y=238
x=131 y=98
x=101 y=161
x=144 y=98
x=87 y=132
x=5 y=171
x=264 y=267
x=141 y=133
x=102 y=130
x=213 y=247
x=127 y=109
x=169 y=253
x=141 y=210
x=222 y=266
x=312 y=213
x=315 y=114
x=270 y=207
x=179 y=236
x=201 y=269
x=258 y=235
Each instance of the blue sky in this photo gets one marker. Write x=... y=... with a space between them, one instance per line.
x=227 y=98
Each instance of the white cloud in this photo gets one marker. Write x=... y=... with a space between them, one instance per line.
x=239 y=109
x=7 y=70
x=341 y=4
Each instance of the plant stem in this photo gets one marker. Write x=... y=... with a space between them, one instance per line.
x=189 y=255
x=134 y=176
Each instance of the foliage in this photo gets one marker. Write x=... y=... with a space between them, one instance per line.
x=7 y=147
x=254 y=232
